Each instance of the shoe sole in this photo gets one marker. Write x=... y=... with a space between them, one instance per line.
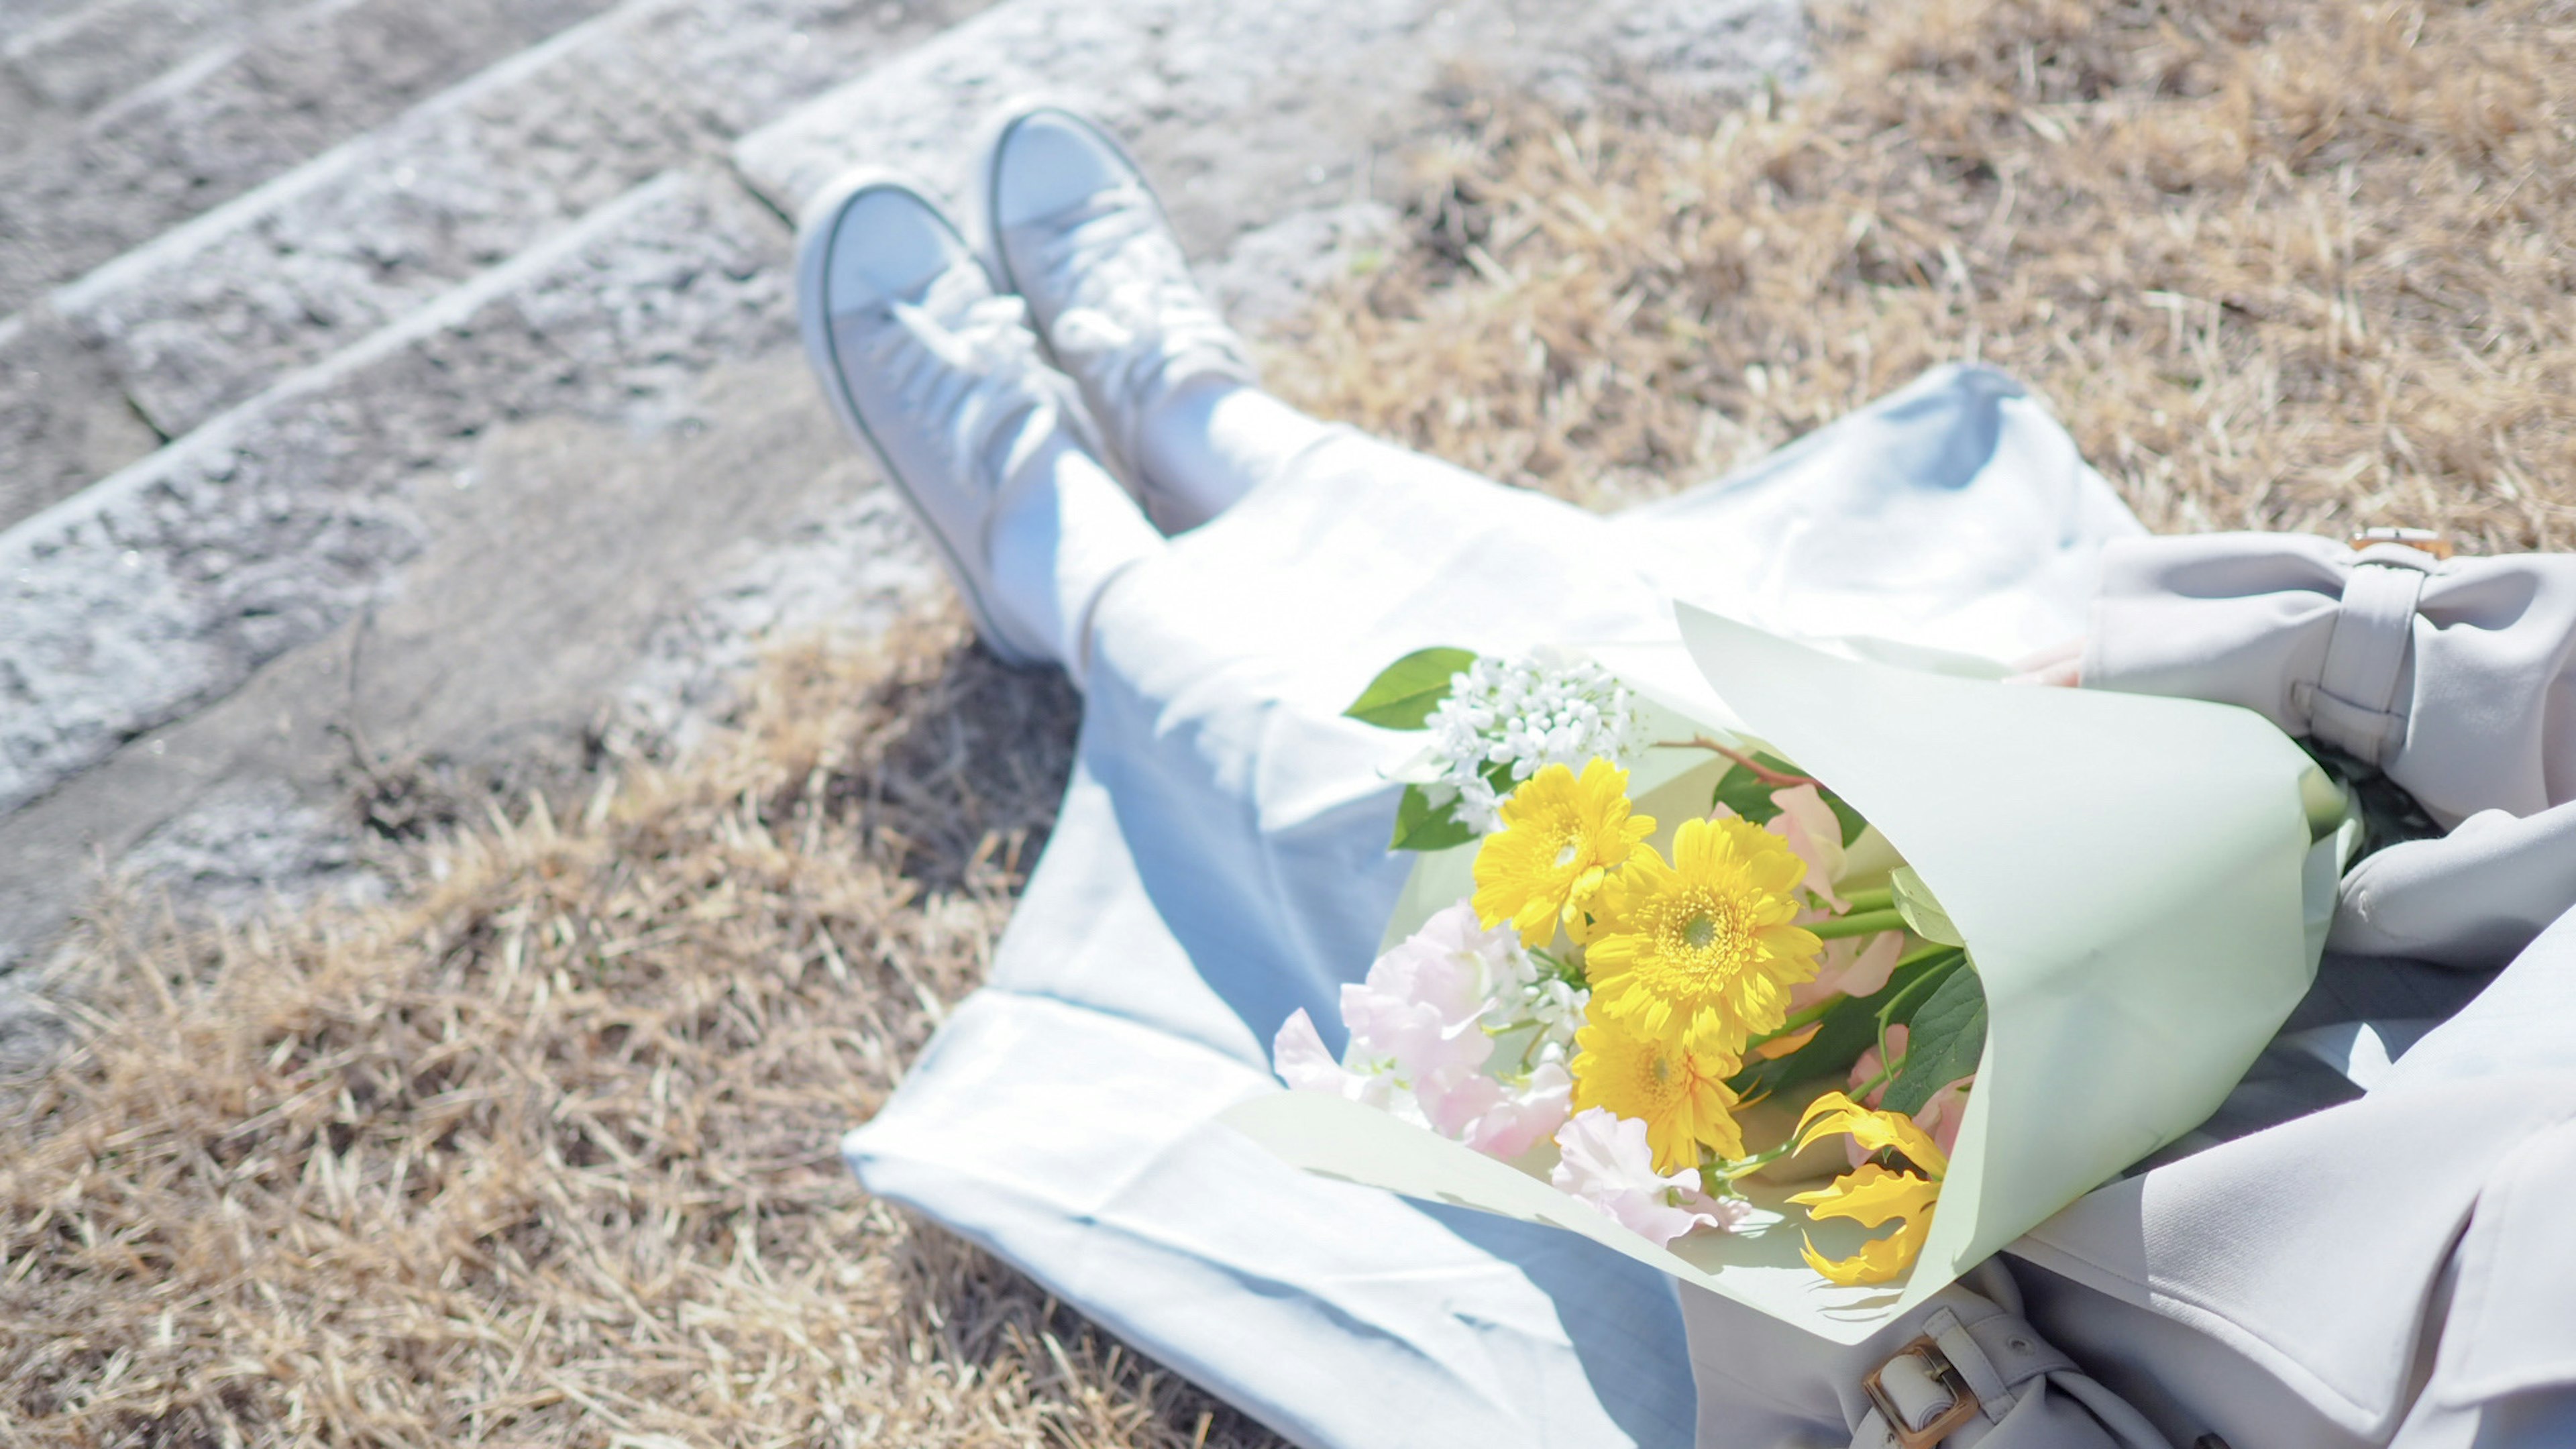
x=816 y=231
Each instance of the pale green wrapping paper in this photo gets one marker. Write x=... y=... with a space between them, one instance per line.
x=2141 y=882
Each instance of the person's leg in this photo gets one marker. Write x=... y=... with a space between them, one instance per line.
x=1065 y=534
x=1216 y=439
x=941 y=377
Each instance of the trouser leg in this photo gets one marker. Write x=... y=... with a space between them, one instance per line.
x=1067 y=532
x=1215 y=440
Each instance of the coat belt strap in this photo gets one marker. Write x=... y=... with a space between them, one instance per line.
x=1952 y=1375
x=2352 y=704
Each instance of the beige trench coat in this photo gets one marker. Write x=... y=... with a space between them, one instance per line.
x=2371 y=1244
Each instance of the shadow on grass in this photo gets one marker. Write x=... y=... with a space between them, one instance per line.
x=963 y=775
x=972 y=1313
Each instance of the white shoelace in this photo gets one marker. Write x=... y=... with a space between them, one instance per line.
x=1133 y=326
x=965 y=369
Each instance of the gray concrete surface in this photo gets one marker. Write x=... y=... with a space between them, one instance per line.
x=475 y=466
x=65 y=416
x=208 y=314
x=78 y=62
x=218 y=125
x=167 y=585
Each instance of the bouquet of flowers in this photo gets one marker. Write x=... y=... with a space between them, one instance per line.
x=1672 y=970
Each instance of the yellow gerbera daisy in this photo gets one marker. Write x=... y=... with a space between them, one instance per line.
x=1870 y=1194
x=1561 y=835
x=1680 y=1094
x=1702 y=949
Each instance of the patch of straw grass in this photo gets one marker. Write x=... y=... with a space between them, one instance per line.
x=543 y=1150
x=2278 y=263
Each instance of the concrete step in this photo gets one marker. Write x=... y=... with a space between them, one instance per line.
x=165 y=586
x=64 y=416
x=587 y=581
x=20 y=16
x=583 y=563
x=524 y=470
x=1250 y=111
x=235 y=117
x=79 y=61
x=205 y=316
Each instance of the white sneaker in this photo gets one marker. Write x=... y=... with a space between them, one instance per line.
x=1070 y=224
x=935 y=371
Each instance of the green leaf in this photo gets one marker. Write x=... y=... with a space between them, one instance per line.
x=1943 y=1043
x=1404 y=694
x=1849 y=818
x=1847 y=1030
x=1744 y=792
x=1748 y=795
x=1900 y=1005
x=1421 y=825
x=1924 y=914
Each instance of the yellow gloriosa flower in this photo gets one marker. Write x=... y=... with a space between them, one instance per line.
x=1875 y=1131
x=1703 y=949
x=1871 y=1194
x=1680 y=1094
x=1561 y=835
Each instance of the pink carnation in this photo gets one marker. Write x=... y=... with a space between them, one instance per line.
x=1942 y=1115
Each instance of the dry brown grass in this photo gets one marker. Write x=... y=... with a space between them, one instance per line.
x=2288 y=264
x=541 y=1150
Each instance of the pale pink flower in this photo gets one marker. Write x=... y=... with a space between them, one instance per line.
x=1850 y=966
x=1298 y=1055
x=1942 y=1115
x=1497 y=1118
x=1422 y=1007
x=1521 y=1117
x=1813 y=834
x=1454 y=1098
x=1418 y=1044
x=1939 y=1116
x=1604 y=1161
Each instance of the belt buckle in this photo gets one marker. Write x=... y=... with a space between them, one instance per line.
x=1964 y=1404
x=2425 y=540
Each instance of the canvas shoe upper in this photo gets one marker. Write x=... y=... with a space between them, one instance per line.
x=936 y=372
x=1072 y=226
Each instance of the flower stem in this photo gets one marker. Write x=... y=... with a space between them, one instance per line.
x=1798 y=1021
x=1881 y=899
x=1887 y=1071
x=1718 y=1177
x=1776 y=779
x=1858 y=923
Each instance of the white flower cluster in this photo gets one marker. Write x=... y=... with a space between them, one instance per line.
x=1529 y=713
x=1528 y=996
